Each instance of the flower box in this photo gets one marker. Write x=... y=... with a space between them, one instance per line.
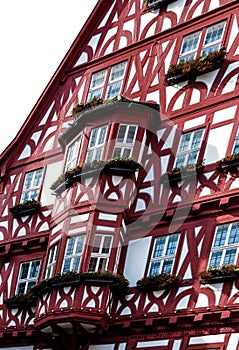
x=121 y=167
x=117 y=166
x=228 y=163
x=219 y=274
x=117 y=283
x=96 y=101
x=159 y=282
x=26 y=208
x=22 y=301
x=192 y=68
x=179 y=174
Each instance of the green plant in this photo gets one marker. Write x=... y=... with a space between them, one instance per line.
x=197 y=66
x=118 y=283
x=227 y=161
x=84 y=106
x=224 y=270
x=29 y=204
x=162 y=281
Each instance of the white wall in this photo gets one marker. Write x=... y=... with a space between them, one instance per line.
x=136 y=259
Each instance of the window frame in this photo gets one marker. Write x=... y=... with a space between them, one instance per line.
x=225 y=247
x=107 y=82
x=31 y=188
x=28 y=279
x=201 y=45
x=100 y=256
x=123 y=145
x=189 y=151
x=52 y=260
x=81 y=239
x=161 y=259
x=97 y=146
x=74 y=156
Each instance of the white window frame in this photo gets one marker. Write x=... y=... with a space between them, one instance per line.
x=72 y=154
x=51 y=263
x=223 y=246
x=158 y=263
x=216 y=44
x=73 y=254
x=30 y=278
x=31 y=186
x=107 y=78
x=122 y=147
x=97 y=84
x=95 y=151
x=189 y=151
x=206 y=47
x=115 y=80
x=100 y=254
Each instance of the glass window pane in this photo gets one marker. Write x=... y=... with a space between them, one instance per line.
x=215 y=259
x=126 y=153
x=98 y=79
x=172 y=245
x=92 y=265
x=154 y=268
x=70 y=245
x=121 y=133
x=113 y=90
x=102 y=132
x=184 y=144
x=102 y=264
x=96 y=244
x=167 y=265
x=106 y=245
x=221 y=236
x=159 y=247
x=230 y=256
x=130 y=135
x=34 y=269
x=75 y=264
x=234 y=234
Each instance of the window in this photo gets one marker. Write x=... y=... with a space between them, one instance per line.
x=51 y=264
x=28 y=275
x=113 y=77
x=192 y=47
x=96 y=143
x=72 y=155
x=235 y=148
x=73 y=253
x=31 y=185
x=189 y=147
x=225 y=245
x=163 y=255
x=125 y=140
x=100 y=252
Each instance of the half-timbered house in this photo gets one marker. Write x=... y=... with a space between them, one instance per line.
x=119 y=225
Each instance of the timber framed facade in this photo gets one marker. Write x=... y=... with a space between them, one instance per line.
x=119 y=224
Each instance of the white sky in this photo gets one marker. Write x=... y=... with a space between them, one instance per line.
x=35 y=36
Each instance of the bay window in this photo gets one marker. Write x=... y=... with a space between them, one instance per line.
x=125 y=140
x=100 y=252
x=73 y=253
